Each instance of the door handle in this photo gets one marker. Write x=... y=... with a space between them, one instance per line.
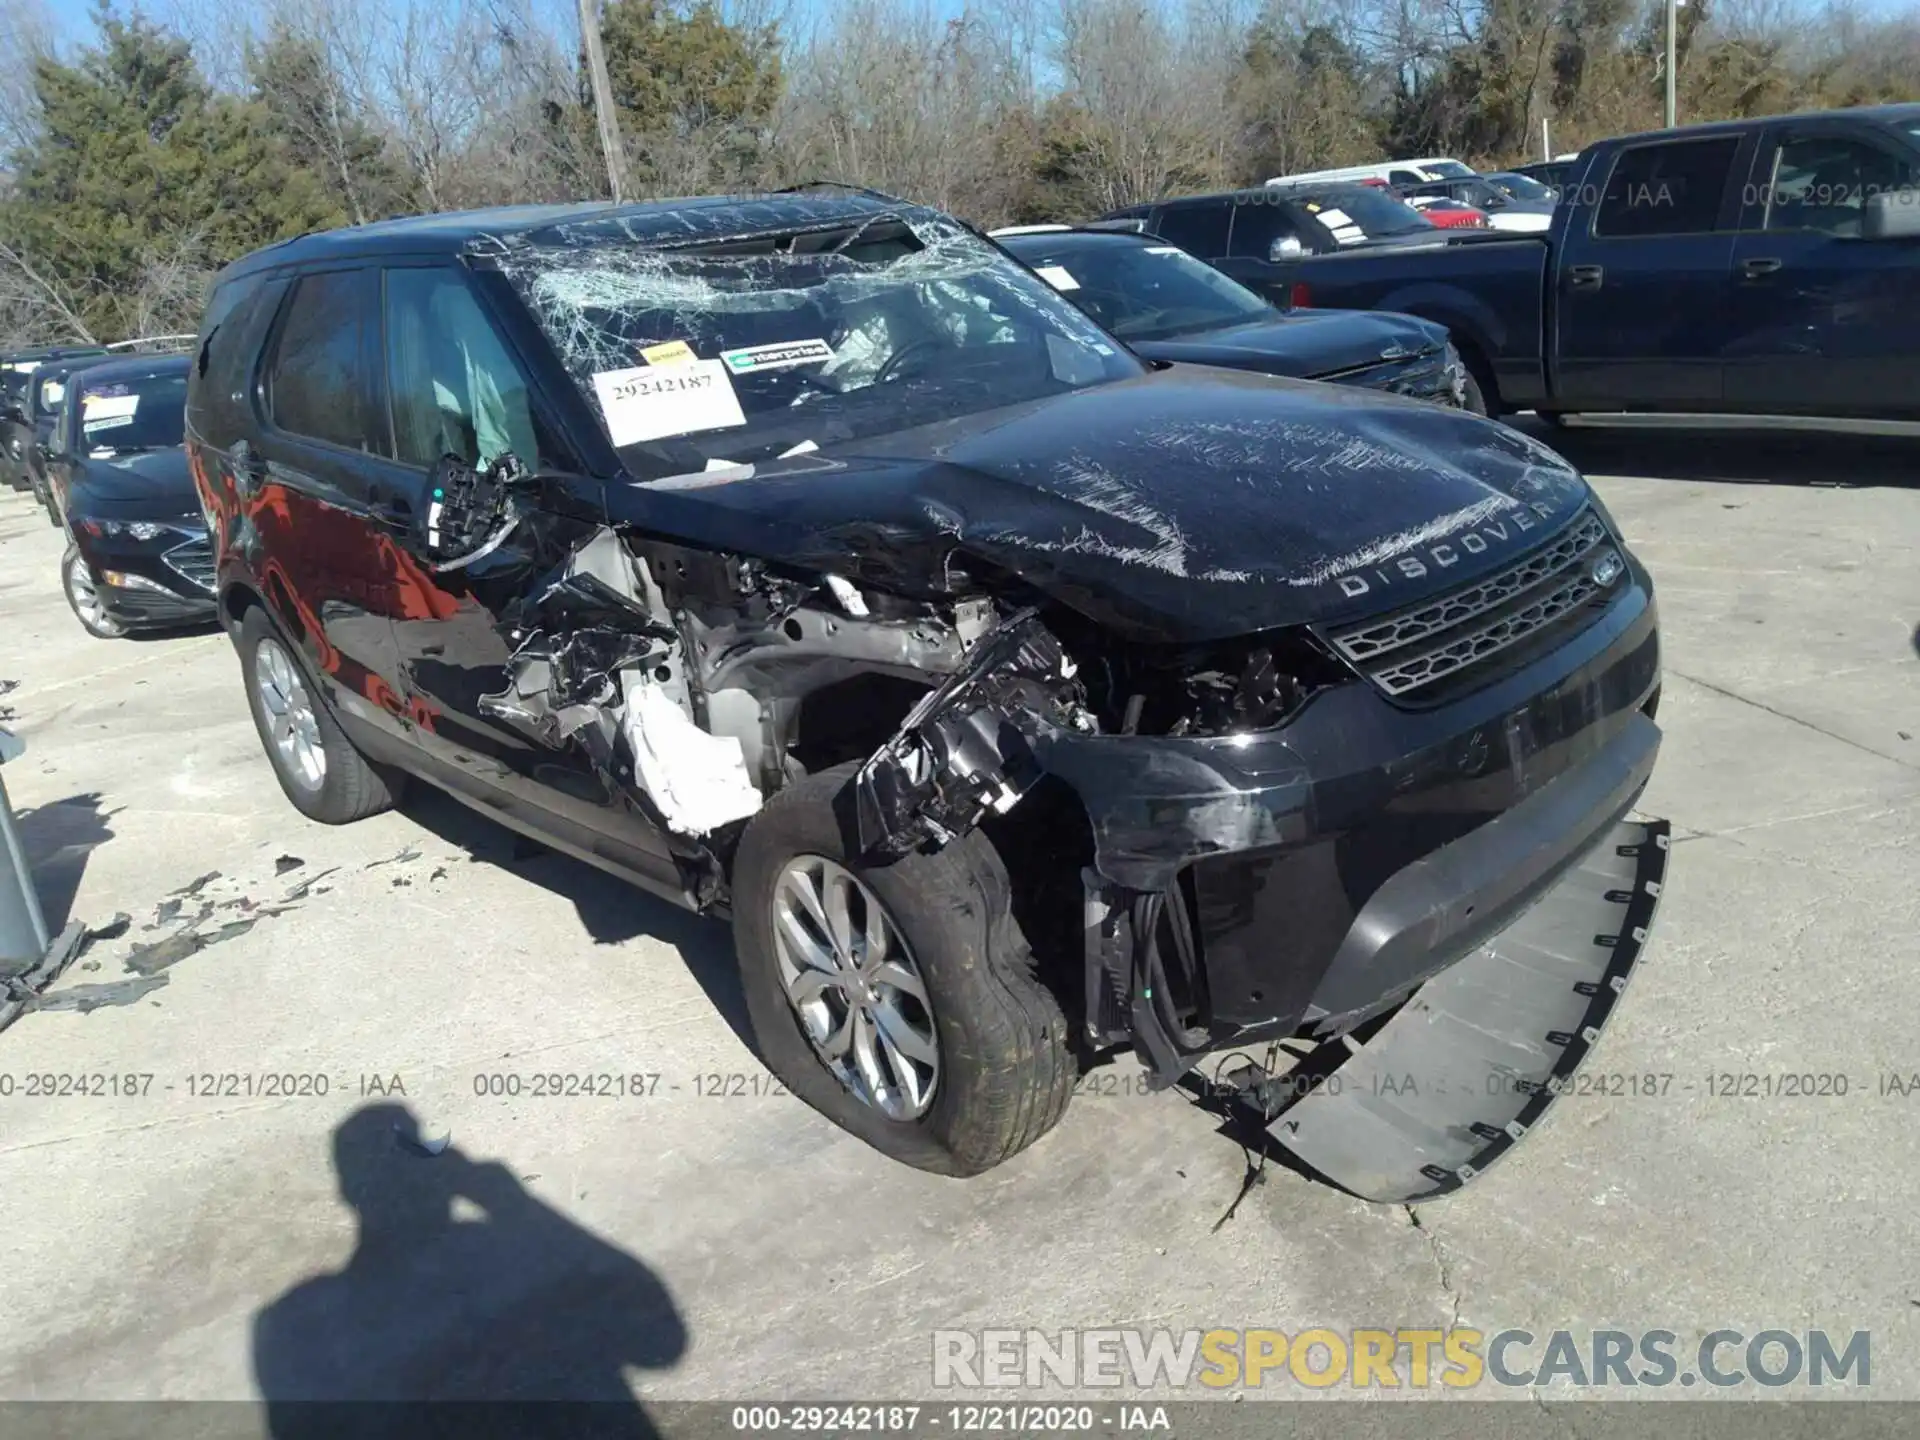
x=1758 y=266
x=1585 y=277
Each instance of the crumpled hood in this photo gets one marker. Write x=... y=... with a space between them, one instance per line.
x=1188 y=505
x=1303 y=343
x=143 y=485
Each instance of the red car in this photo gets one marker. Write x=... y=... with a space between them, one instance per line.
x=1449 y=214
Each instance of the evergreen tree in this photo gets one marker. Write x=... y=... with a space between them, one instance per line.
x=142 y=180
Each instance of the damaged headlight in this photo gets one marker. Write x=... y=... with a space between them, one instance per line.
x=1256 y=683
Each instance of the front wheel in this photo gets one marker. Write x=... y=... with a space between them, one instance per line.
x=317 y=766
x=76 y=578
x=898 y=1000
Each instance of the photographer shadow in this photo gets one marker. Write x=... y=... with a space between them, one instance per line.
x=467 y=1306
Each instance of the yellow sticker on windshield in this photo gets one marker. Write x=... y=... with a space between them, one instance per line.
x=1312 y=208
x=673 y=352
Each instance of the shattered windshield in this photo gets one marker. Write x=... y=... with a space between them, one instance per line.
x=1141 y=291
x=777 y=344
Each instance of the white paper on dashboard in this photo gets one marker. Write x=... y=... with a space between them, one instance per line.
x=651 y=402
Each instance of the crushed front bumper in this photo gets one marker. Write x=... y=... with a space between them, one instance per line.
x=1322 y=871
x=1304 y=884
x=1473 y=1062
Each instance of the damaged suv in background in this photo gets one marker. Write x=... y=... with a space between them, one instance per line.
x=806 y=560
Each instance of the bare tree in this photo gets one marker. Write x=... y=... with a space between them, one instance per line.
x=896 y=96
x=1146 y=102
x=26 y=34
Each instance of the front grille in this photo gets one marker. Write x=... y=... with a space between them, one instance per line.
x=1423 y=376
x=1445 y=638
x=193 y=562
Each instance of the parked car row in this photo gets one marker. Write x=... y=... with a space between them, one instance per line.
x=101 y=433
x=1449 y=194
x=1752 y=268
x=1168 y=306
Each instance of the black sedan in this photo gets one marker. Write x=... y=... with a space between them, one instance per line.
x=117 y=475
x=1169 y=306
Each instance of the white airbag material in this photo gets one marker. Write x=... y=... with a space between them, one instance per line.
x=698 y=780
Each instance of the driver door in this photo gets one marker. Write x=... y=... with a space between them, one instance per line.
x=457 y=389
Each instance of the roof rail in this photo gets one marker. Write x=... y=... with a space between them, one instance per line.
x=150 y=340
x=866 y=190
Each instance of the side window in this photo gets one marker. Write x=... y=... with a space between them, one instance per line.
x=1671 y=188
x=1404 y=177
x=316 y=381
x=222 y=357
x=1823 y=183
x=1197 y=229
x=455 y=388
x=1258 y=228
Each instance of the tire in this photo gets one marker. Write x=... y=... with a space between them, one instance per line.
x=347 y=787
x=1481 y=396
x=83 y=597
x=1005 y=1062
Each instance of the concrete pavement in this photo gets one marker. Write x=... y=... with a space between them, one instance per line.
x=746 y=1248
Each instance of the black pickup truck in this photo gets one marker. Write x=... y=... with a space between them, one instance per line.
x=1756 y=267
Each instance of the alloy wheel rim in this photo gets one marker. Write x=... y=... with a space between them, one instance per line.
x=86 y=597
x=293 y=727
x=855 y=986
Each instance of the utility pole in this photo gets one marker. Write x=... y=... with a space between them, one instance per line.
x=603 y=114
x=1673 y=11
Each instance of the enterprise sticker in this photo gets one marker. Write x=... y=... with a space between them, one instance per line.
x=783 y=356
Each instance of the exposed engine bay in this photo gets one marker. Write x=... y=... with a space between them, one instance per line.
x=698 y=685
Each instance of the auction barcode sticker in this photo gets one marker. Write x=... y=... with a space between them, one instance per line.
x=650 y=402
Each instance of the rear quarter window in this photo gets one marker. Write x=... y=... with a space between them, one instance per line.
x=231 y=332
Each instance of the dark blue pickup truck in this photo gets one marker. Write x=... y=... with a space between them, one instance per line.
x=1755 y=267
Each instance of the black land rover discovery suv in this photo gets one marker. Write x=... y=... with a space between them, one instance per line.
x=808 y=561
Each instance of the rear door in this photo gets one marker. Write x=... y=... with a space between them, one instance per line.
x=1644 y=279
x=1823 y=319
x=313 y=493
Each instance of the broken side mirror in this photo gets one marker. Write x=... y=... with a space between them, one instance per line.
x=468 y=511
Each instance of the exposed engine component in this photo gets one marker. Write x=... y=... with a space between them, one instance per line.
x=593 y=664
x=962 y=752
x=1247 y=685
